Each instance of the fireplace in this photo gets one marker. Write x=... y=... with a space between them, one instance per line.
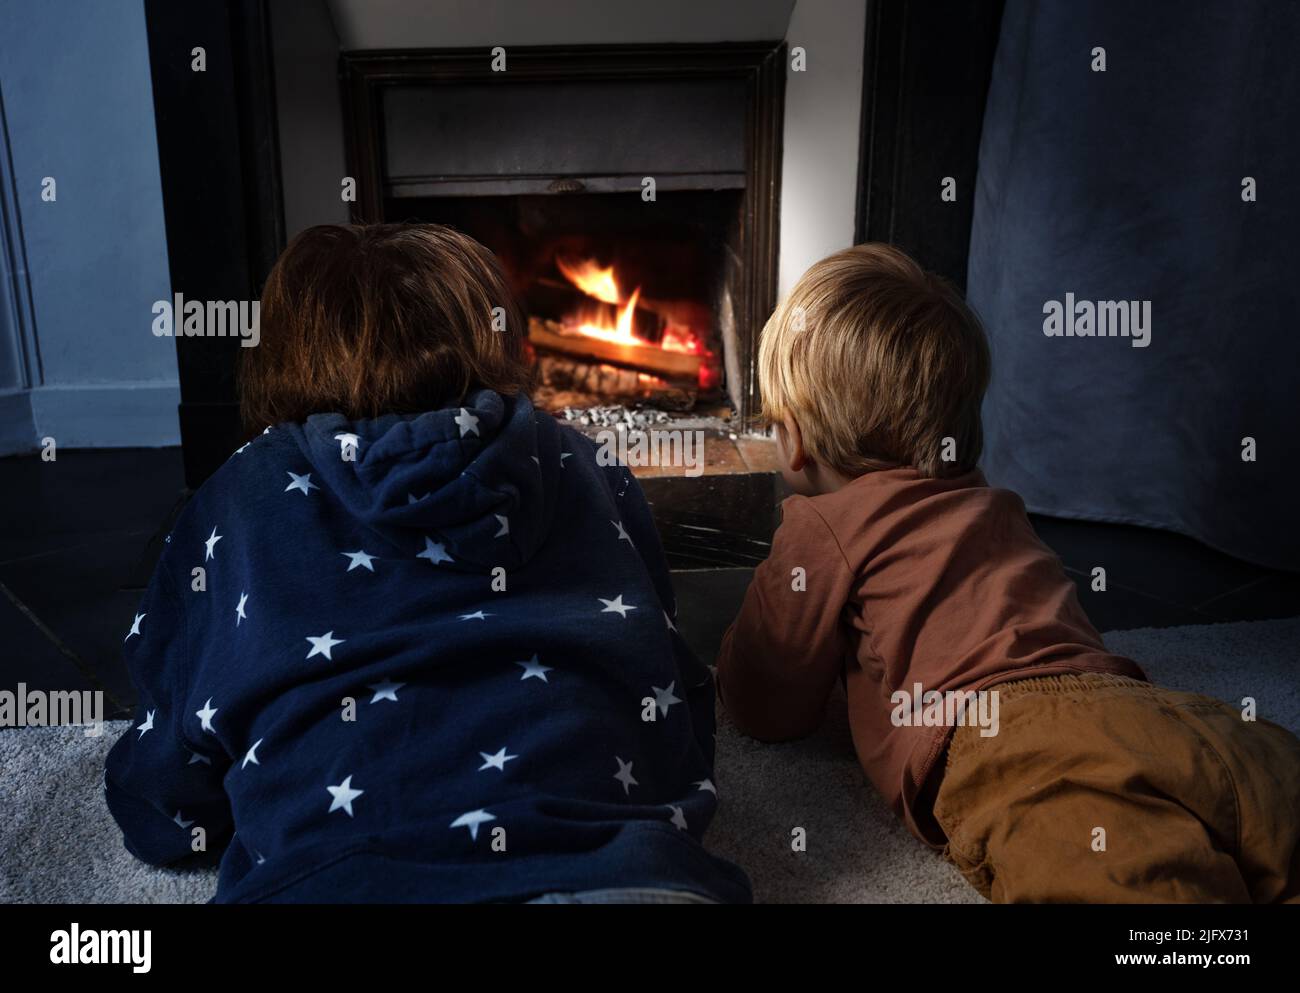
x=547 y=158
x=629 y=192
x=625 y=302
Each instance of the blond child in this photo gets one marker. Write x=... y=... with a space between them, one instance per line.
x=898 y=570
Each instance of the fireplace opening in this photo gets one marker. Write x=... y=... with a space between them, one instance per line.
x=627 y=301
x=637 y=301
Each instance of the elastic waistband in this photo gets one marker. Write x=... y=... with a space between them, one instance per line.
x=1067 y=683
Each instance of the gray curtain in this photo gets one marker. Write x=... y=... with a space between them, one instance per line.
x=1126 y=185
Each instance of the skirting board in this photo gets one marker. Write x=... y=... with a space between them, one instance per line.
x=105 y=415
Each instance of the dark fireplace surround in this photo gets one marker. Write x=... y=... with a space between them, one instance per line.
x=547 y=161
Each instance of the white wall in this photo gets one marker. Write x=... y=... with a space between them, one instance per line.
x=819 y=171
x=310 y=112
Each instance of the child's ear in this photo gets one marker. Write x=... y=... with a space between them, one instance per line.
x=796 y=457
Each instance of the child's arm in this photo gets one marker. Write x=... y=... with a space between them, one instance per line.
x=780 y=658
x=159 y=784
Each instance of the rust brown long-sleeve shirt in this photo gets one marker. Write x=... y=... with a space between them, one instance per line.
x=905 y=580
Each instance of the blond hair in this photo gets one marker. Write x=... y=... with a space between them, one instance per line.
x=881 y=363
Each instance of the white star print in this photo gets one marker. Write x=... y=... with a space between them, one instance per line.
x=665 y=698
x=324 y=644
x=180 y=821
x=622 y=534
x=467 y=422
x=239 y=609
x=412 y=498
x=472 y=820
x=241 y=448
x=624 y=775
x=343 y=795
x=434 y=551
x=387 y=690
x=707 y=785
x=260 y=858
x=669 y=621
x=504 y=529
x=360 y=558
x=302 y=482
x=147 y=725
x=496 y=761
x=252 y=754
x=135 y=626
x=563 y=456
x=196 y=757
x=678 y=818
x=211 y=543
x=616 y=606
x=478 y=615
x=205 y=715
x=533 y=668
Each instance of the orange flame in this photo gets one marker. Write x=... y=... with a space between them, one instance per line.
x=591 y=279
x=598 y=282
x=622 y=330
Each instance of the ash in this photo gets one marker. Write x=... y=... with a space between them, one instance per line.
x=614 y=416
x=619 y=417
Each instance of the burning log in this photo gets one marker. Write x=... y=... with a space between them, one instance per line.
x=550 y=336
x=573 y=382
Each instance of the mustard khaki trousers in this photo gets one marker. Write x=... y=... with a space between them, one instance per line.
x=1104 y=789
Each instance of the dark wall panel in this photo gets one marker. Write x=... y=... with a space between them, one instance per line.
x=926 y=73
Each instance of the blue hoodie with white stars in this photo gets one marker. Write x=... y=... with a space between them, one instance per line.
x=419 y=658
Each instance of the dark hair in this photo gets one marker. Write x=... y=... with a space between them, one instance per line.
x=365 y=320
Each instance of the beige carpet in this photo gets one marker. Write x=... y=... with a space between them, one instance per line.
x=59 y=844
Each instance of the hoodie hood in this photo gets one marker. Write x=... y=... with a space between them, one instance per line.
x=479 y=480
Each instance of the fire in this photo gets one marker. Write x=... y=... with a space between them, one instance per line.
x=601 y=284
x=621 y=332
x=598 y=281
x=679 y=339
x=589 y=277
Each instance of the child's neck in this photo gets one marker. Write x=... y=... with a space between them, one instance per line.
x=822 y=479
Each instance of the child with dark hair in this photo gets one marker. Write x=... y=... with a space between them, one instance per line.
x=400 y=646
